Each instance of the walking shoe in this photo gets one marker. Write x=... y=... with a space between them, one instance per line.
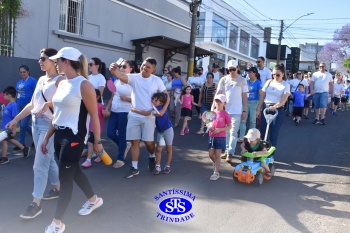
x=16 y=148
x=151 y=163
x=229 y=158
x=54 y=228
x=118 y=164
x=224 y=155
x=53 y=194
x=31 y=212
x=132 y=172
x=98 y=159
x=166 y=170
x=215 y=176
x=331 y=111
x=322 y=122
x=4 y=160
x=335 y=114
x=26 y=152
x=156 y=170
x=316 y=122
x=268 y=174
x=182 y=133
x=187 y=130
x=297 y=123
x=88 y=207
x=306 y=117
x=86 y=164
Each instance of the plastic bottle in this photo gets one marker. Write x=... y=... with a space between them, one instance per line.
x=106 y=159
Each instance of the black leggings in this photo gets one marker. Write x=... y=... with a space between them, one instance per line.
x=195 y=93
x=68 y=148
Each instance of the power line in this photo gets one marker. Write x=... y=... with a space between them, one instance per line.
x=259 y=11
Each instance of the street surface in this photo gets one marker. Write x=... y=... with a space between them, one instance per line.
x=310 y=191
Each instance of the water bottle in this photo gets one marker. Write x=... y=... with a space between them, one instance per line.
x=106 y=159
x=5 y=134
x=161 y=140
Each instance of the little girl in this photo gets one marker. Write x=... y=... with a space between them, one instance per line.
x=217 y=133
x=186 y=101
x=91 y=138
x=254 y=144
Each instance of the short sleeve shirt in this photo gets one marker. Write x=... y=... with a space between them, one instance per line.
x=275 y=91
x=221 y=120
x=321 y=81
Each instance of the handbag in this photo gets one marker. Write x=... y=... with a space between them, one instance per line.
x=42 y=93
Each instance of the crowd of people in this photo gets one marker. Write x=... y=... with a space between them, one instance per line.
x=67 y=115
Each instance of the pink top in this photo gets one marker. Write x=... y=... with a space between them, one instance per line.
x=100 y=107
x=187 y=101
x=221 y=120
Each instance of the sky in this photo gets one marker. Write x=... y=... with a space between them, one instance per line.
x=328 y=15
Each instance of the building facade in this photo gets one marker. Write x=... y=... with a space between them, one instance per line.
x=308 y=56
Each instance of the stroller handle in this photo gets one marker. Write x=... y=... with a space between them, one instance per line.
x=268 y=116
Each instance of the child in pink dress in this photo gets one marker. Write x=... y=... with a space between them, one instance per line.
x=91 y=138
x=186 y=101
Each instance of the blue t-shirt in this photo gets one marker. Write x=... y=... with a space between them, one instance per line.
x=254 y=89
x=176 y=83
x=347 y=91
x=25 y=90
x=163 y=123
x=299 y=98
x=10 y=111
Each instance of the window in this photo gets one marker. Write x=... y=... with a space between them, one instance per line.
x=233 y=37
x=200 y=27
x=254 y=49
x=218 y=58
x=244 y=43
x=219 y=30
x=71 y=16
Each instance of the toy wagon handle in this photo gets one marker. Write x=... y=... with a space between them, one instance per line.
x=269 y=118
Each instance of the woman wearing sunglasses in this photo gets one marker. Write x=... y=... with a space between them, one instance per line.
x=274 y=95
x=40 y=109
x=119 y=105
x=97 y=76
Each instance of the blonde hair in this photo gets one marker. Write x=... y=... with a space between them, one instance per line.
x=81 y=66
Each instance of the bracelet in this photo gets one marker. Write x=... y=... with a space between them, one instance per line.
x=98 y=141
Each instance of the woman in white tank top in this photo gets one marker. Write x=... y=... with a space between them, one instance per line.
x=74 y=103
x=45 y=165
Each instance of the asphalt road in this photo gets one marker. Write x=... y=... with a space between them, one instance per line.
x=310 y=191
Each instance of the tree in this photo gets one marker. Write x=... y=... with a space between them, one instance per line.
x=346 y=63
x=339 y=49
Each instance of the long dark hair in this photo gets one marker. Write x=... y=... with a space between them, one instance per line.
x=101 y=65
x=282 y=69
x=183 y=91
x=132 y=64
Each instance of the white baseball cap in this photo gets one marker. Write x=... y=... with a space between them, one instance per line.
x=220 y=97
x=232 y=63
x=68 y=53
x=252 y=134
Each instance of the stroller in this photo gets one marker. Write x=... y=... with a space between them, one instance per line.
x=249 y=170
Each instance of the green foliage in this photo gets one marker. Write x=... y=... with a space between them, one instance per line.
x=346 y=63
x=11 y=6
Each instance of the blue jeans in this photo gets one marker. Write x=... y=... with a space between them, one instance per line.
x=118 y=122
x=251 y=114
x=24 y=127
x=231 y=135
x=274 y=127
x=45 y=165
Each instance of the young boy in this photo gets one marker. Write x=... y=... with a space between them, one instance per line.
x=164 y=132
x=253 y=143
x=339 y=90
x=10 y=111
x=299 y=97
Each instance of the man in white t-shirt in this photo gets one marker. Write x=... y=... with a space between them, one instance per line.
x=321 y=84
x=140 y=126
x=265 y=73
x=235 y=88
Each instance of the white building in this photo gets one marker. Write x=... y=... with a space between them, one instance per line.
x=308 y=56
x=228 y=34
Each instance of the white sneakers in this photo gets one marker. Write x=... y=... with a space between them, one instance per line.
x=215 y=176
x=88 y=207
x=54 y=228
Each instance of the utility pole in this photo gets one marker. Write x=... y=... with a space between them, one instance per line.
x=279 y=44
x=194 y=9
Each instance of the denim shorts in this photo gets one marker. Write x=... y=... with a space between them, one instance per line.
x=217 y=143
x=320 y=100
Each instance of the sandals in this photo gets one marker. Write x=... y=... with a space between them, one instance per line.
x=268 y=175
x=201 y=131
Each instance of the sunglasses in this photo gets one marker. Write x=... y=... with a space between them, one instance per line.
x=257 y=61
x=91 y=64
x=165 y=70
x=277 y=75
x=232 y=69
x=321 y=66
x=298 y=73
x=123 y=66
x=42 y=59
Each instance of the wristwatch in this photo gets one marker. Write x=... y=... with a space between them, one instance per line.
x=98 y=142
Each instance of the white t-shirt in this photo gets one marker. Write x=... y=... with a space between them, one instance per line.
x=265 y=74
x=196 y=82
x=67 y=103
x=275 y=91
x=216 y=77
x=203 y=77
x=142 y=90
x=119 y=105
x=233 y=88
x=97 y=80
x=338 y=89
x=321 y=81
x=295 y=82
